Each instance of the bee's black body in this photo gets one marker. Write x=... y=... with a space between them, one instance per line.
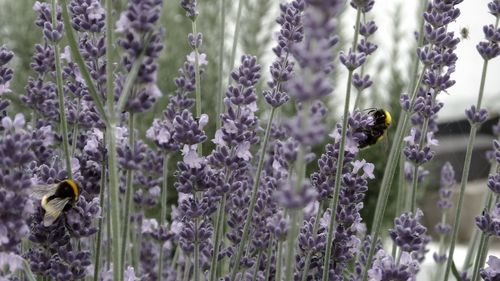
x=56 y=198
x=381 y=122
x=65 y=190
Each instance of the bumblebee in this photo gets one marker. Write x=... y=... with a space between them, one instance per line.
x=464 y=33
x=382 y=119
x=56 y=198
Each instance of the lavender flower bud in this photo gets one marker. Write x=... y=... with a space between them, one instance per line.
x=5 y=72
x=494 y=7
x=364 y=5
x=492 y=272
x=489 y=221
x=361 y=83
x=476 y=117
x=368 y=29
x=408 y=232
x=491 y=33
x=352 y=60
x=191 y=8
x=53 y=34
x=488 y=50
x=87 y=15
x=494 y=183
x=195 y=41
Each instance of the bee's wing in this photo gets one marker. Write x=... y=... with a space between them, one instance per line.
x=39 y=191
x=53 y=210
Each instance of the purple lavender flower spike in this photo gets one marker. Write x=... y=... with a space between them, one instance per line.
x=5 y=74
x=191 y=8
x=492 y=272
x=15 y=155
x=385 y=268
x=292 y=32
x=489 y=221
x=87 y=15
x=141 y=38
x=408 y=232
x=494 y=183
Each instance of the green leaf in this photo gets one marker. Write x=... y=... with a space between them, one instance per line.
x=455 y=271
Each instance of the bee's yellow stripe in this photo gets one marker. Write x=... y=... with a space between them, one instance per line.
x=388 y=118
x=73 y=185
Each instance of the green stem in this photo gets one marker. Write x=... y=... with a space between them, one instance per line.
x=291 y=241
x=164 y=207
x=198 y=84
x=97 y=263
x=259 y=257
x=219 y=225
x=278 y=260
x=235 y=38
x=465 y=173
x=75 y=128
x=196 y=250
x=128 y=193
x=414 y=186
x=269 y=259
x=482 y=249
x=471 y=249
x=136 y=235
x=220 y=65
x=60 y=94
x=390 y=169
x=187 y=265
x=27 y=271
x=129 y=82
x=314 y=234
x=253 y=200
x=108 y=232
x=340 y=160
x=338 y=179
x=401 y=195
x=113 y=163
x=483 y=241
x=465 y=176
x=296 y=215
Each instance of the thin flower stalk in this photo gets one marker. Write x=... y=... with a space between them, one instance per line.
x=129 y=183
x=164 y=207
x=340 y=160
x=236 y=35
x=113 y=191
x=465 y=174
x=476 y=116
x=220 y=63
x=100 y=230
x=60 y=94
x=493 y=197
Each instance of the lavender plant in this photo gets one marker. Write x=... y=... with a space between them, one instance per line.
x=256 y=203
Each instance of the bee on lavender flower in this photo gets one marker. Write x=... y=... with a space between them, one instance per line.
x=382 y=119
x=56 y=198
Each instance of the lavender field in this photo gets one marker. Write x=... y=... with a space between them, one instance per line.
x=249 y=140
